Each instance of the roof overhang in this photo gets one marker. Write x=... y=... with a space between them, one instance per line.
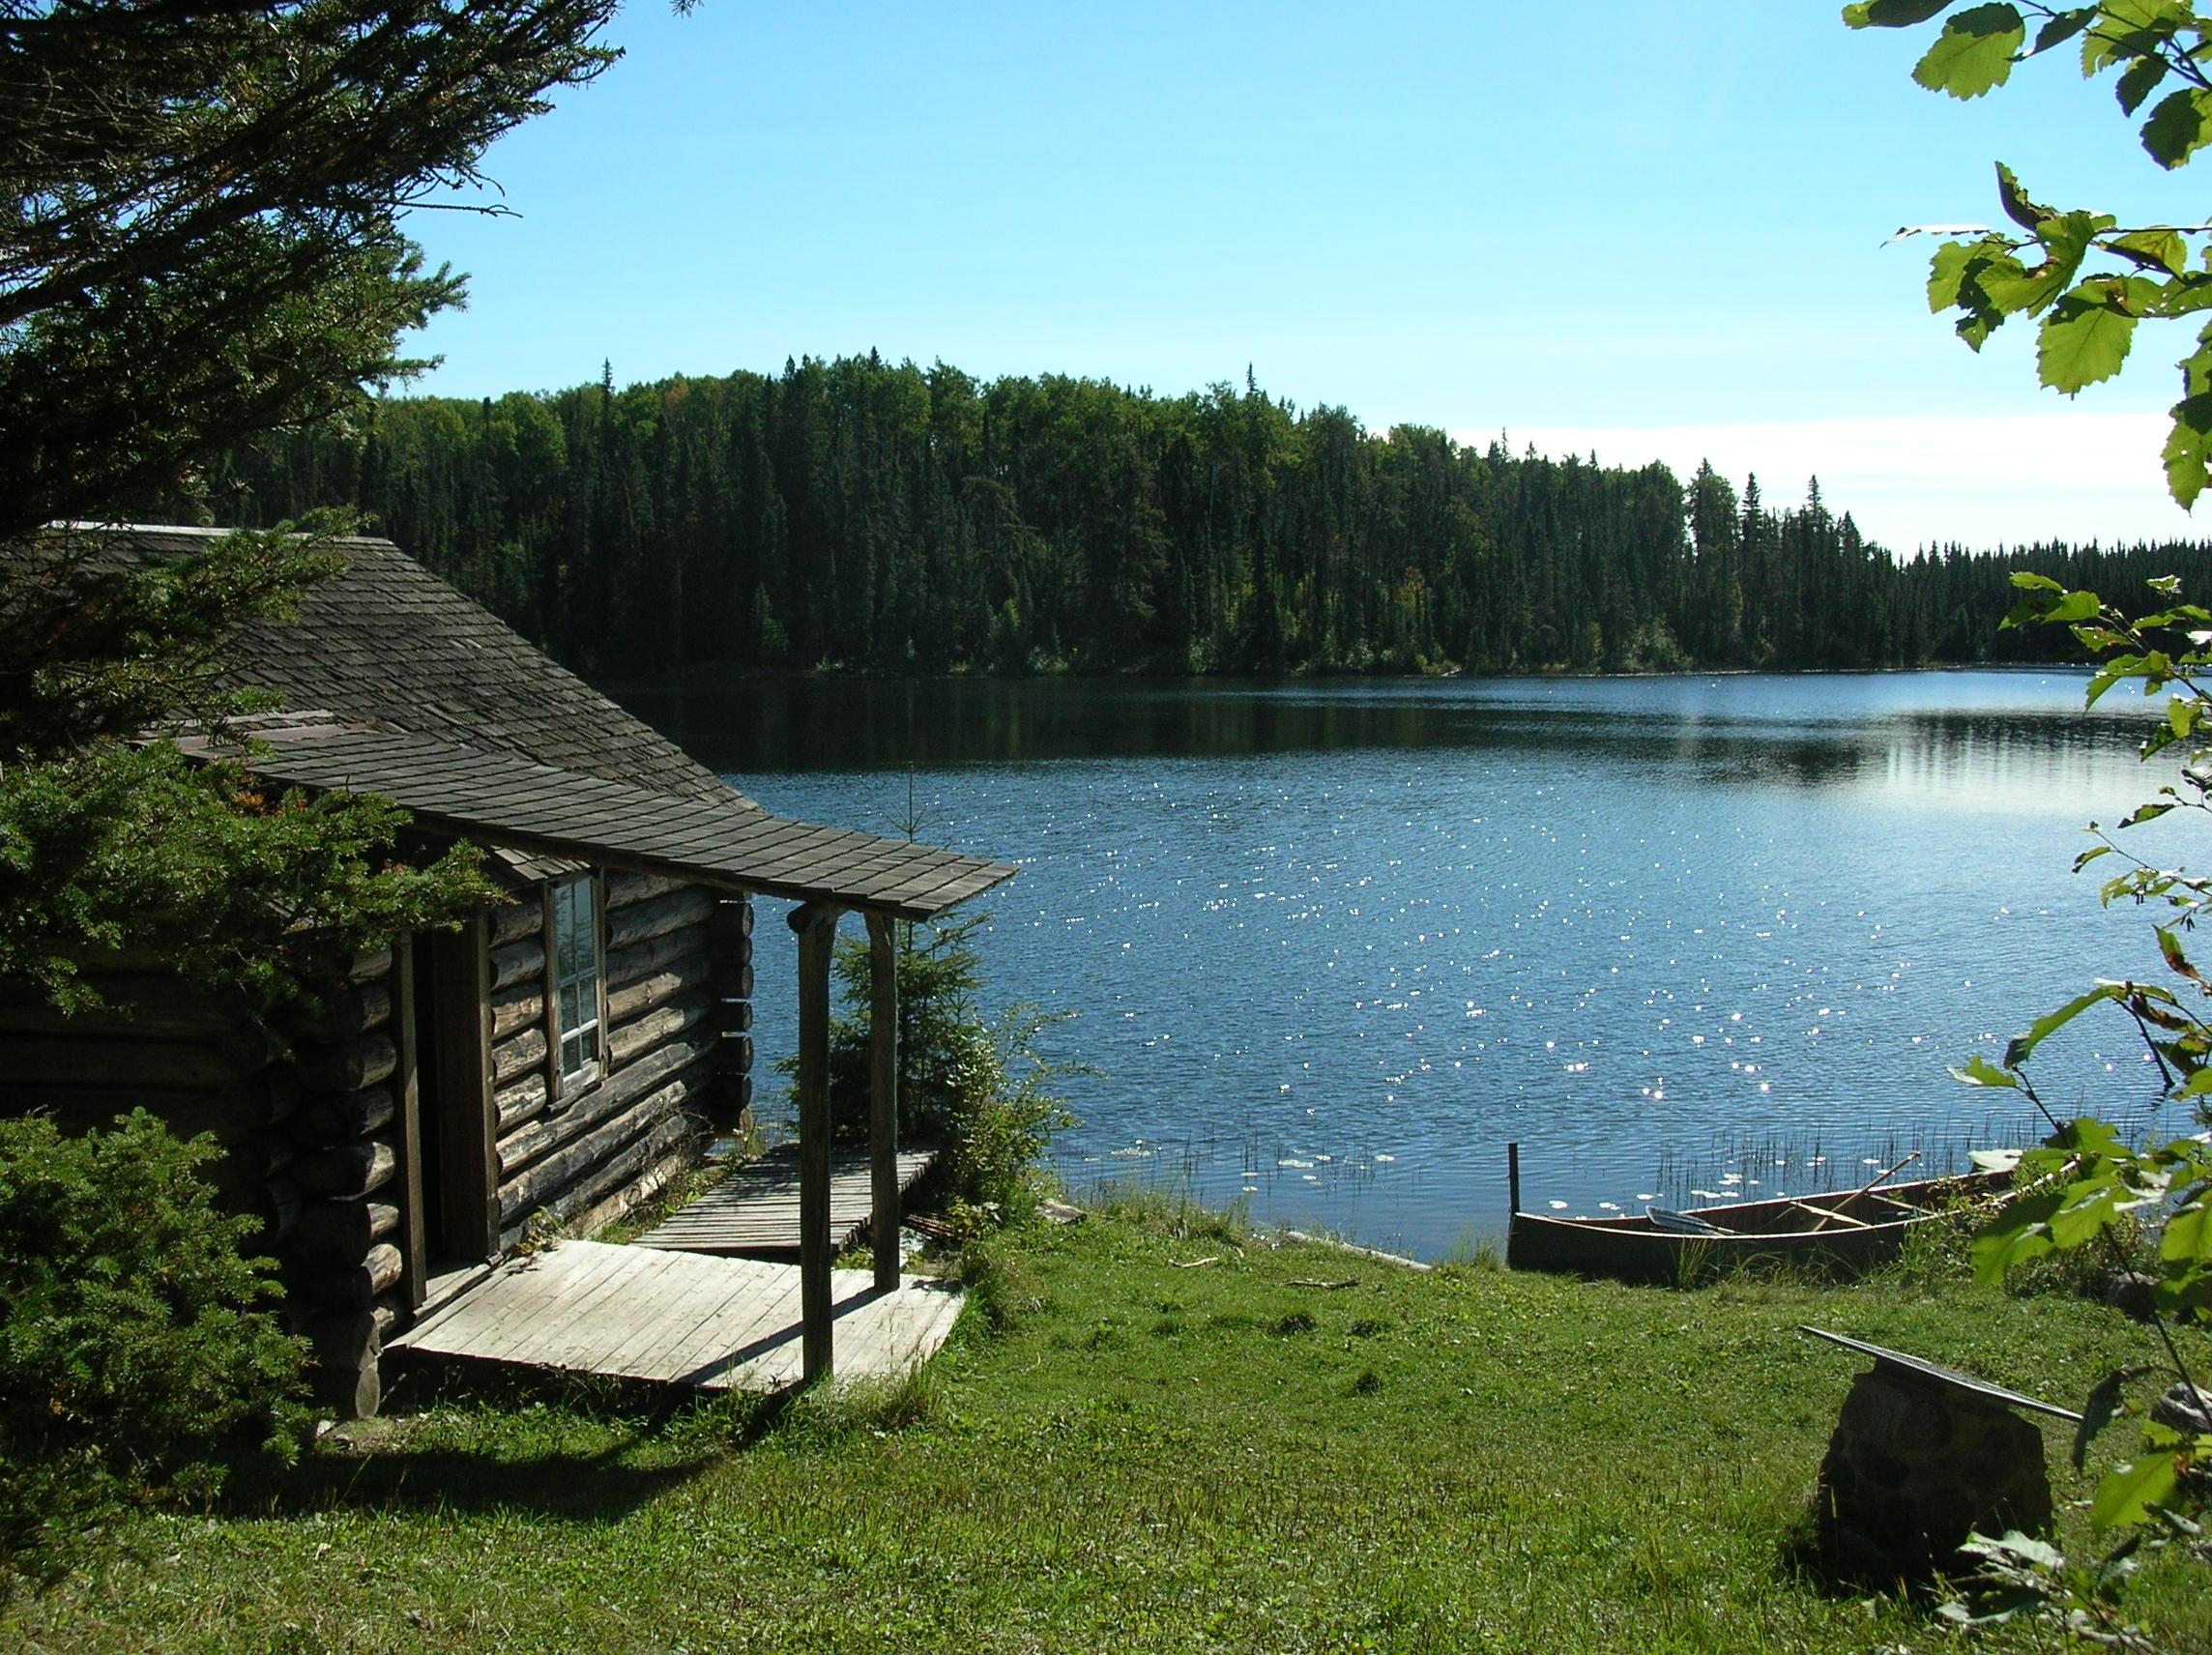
x=497 y=799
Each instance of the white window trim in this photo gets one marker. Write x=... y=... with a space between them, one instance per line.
x=559 y=1077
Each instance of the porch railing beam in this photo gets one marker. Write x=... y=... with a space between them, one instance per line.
x=883 y=1098
x=816 y=925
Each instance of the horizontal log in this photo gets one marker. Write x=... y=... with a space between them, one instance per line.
x=376 y=962
x=586 y=1209
x=657 y=918
x=692 y=971
x=641 y=959
x=540 y=1136
x=516 y=961
x=254 y=1158
x=349 y=1290
x=516 y=1054
x=95 y=1060
x=519 y=1100
x=252 y=1105
x=734 y=1054
x=341 y=1231
x=735 y=1016
x=614 y=1150
x=349 y=1068
x=633 y=1039
x=351 y=1170
x=276 y=1205
x=626 y=890
x=733 y=919
x=525 y=916
x=140 y=1005
x=340 y=1117
x=347 y=1339
x=734 y=982
x=350 y=1013
x=518 y=1005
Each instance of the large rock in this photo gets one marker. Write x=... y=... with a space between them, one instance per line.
x=1914 y=1467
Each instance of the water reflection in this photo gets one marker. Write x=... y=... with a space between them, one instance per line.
x=1334 y=943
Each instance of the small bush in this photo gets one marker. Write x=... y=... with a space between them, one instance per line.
x=133 y=1354
x=973 y=1084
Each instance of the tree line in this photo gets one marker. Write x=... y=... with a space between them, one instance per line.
x=873 y=517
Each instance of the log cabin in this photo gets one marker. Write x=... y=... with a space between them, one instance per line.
x=560 y=1058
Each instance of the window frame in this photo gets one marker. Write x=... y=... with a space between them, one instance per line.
x=590 y=1069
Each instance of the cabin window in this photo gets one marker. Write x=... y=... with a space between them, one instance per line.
x=577 y=974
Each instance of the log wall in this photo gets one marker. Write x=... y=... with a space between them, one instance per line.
x=303 y=1113
x=315 y=1141
x=574 y=1159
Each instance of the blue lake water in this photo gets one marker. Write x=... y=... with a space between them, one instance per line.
x=1335 y=943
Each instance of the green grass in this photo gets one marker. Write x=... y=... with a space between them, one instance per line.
x=1116 y=1454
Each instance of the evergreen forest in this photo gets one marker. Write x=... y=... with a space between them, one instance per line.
x=862 y=516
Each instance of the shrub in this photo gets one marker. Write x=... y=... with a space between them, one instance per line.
x=972 y=1084
x=133 y=1356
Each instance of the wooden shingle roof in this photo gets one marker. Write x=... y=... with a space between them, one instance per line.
x=726 y=841
x=390 y=643
x=422 y=697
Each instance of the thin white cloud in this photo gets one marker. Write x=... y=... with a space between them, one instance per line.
x=1926 y=479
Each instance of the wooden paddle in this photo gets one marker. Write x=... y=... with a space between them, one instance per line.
x=1867 y=1189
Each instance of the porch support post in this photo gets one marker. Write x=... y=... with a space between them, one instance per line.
x=816 y=923
x=882 y=1097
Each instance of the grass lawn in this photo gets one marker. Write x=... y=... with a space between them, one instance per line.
x=1144 y=1457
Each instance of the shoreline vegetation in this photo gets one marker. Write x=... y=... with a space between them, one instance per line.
x=1155 y=1429
x=889 y=520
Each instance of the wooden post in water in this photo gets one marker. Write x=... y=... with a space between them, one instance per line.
x=1512 y=1179
x=882 y=1097
x=816 y=924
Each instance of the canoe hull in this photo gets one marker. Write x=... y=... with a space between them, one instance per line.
x=1631 y=1249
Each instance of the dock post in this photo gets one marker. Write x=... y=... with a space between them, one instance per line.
x=1512 y=1179
x=816 y=924
x=883 y=1098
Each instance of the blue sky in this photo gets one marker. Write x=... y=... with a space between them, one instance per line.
x=1649 y=231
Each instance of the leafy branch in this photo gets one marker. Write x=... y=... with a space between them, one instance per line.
x=2086 y=313
x=2084 y=1184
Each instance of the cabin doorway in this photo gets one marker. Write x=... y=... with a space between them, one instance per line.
x=450 y=1198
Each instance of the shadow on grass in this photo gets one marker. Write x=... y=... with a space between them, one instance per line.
x=481 y=1437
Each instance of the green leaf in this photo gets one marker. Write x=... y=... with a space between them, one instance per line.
x=2027 y=580
x=2065 y=238
x=2074 y=606
x=2088 y=856
x=2188 y=448
x=2126 y=1496
x=2022 y=1046
x=2028 y=215
x=2188 y=1238
x=2163 y=250
x=1974 y=52
x=1892 y=14
x=2178 y=128
x=2085 y=339
x=2139 y=81
x=2105 y=1401
x=2020 y=1232
x=1978 y=1070
x=2061 y=27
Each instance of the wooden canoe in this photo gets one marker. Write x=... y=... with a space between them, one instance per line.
x=1838 y=1233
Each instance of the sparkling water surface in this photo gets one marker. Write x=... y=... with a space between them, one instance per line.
x=1335 y=943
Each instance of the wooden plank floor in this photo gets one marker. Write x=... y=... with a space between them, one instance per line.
x=681 y=1317
x=754 y=1212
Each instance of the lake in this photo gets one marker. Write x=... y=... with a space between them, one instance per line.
x=1334 y=943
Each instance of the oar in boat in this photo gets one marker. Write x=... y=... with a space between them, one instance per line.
x=1867 y=1189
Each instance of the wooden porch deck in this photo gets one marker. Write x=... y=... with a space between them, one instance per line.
x=754 y=1212
x=679 y=1318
